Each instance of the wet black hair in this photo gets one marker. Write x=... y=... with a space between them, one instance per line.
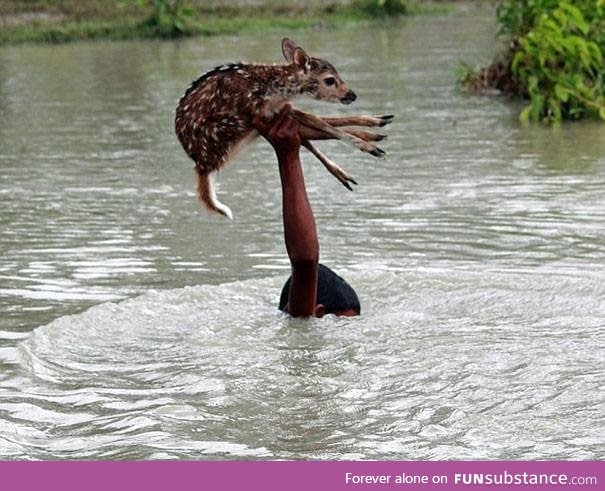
x=334 y=293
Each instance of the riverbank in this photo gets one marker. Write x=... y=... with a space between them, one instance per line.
x=42 y=21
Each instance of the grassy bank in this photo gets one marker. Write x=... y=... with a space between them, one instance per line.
x=36 y=21
x=133 y=28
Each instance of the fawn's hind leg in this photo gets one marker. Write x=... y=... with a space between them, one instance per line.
x=342 y=175
x=307 y=133
x=368 y=136
x=318 y=123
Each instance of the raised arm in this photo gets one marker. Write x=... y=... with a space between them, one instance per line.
x=299 y=224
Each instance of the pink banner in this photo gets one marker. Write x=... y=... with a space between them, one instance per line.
x=300 y=476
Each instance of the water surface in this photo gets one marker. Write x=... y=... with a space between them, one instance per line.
x=135 y=326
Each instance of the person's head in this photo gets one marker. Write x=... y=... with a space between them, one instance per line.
x=334 y=295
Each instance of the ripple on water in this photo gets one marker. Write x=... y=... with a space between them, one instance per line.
x=476 y=248
x=442 y=364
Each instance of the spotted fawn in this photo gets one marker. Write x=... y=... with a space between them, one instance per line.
x=215 y=118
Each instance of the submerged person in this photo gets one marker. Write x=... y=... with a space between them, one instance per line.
x=312 y=289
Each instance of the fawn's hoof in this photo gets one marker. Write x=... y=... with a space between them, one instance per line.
x=384 y=120
x=346 y=181
x=377 y=152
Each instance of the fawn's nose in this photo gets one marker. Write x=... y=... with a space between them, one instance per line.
x=349 y=97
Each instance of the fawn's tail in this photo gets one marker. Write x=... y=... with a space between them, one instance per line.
x=207 y=195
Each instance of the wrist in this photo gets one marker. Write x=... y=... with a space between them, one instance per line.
x=287 y=152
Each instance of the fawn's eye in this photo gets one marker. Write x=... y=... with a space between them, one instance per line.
x=329 y=81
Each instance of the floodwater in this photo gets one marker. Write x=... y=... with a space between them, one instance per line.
x=135 y=326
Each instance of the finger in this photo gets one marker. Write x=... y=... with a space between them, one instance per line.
x=260 y=124
x=290 y=124
x=282 y=115
x=286 y=109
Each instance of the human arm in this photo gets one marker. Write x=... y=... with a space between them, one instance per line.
x=299 y=224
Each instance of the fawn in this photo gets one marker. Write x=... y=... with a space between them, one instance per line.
x=215 y=118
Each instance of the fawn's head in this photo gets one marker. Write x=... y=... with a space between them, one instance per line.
x=319 y=78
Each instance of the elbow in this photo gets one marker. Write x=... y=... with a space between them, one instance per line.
x=305 y=262
x=303 y=251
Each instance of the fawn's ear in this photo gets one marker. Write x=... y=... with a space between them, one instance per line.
x=287 y=47
x=301 y=59
x=295 y=54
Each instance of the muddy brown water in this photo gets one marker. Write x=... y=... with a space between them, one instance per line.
x=134 y=326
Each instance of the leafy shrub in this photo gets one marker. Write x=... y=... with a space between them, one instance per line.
x=169 y=17
x=516 y=17
x=561 y=67
x=381 y=8
x=555 y=58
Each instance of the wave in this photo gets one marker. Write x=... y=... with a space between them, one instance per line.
x=441 y=362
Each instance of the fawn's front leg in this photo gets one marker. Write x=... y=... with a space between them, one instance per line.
x=346 y=121
x=371 y=121
x=318 y=123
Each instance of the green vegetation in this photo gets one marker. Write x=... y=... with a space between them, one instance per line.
x=167 y=16
x=67 y=20
x=381 y=8
x=555 y=58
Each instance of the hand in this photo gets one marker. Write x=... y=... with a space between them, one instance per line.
x=281 y=131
